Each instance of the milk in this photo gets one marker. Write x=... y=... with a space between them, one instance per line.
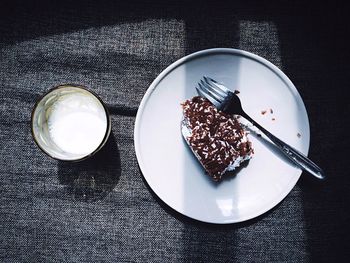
x=77 y=123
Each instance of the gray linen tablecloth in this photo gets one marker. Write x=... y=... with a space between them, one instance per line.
x=102 y=210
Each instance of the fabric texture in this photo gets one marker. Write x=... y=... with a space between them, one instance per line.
x=102 y=210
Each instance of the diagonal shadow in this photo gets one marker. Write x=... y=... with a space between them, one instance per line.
x=306 y=35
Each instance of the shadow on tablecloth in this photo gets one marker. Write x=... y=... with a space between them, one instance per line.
x=92 y=179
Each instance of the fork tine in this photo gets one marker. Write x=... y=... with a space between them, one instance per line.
x=210 y=85
x=211 y=93
x=221 y=95
x=217 y=85
x=205 y=93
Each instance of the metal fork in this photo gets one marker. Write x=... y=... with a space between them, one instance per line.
x=226 y=101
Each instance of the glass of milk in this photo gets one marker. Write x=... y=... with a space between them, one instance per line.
x=70 y=123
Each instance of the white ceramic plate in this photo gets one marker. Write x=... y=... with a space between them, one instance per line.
x=173 y=172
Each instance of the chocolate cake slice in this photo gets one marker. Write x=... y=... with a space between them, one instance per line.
x=217 y=139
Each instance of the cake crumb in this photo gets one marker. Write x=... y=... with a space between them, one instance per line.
x=299 y=135
x=236 y=92
x=263 y=112
x=273 y=119
x=271 y=111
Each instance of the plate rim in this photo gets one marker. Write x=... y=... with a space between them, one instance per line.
x=187 y=58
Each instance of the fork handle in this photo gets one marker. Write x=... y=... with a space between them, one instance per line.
x=294 y=155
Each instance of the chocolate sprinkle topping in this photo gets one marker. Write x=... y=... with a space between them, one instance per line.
x=217 y=138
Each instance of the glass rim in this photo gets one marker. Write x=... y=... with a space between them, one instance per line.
x=62 y=86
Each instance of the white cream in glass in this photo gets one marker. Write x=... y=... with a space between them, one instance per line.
x=70 y=123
